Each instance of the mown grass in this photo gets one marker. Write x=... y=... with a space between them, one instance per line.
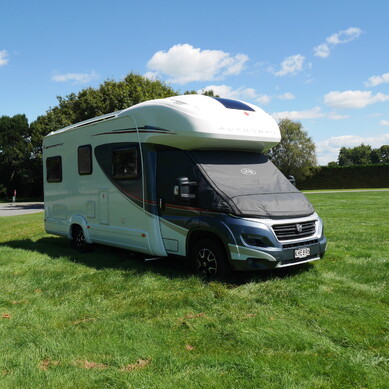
x=107 y=319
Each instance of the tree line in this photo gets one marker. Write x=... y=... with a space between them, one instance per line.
x=362 y=155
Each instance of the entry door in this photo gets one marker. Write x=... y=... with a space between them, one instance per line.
x=122 y=215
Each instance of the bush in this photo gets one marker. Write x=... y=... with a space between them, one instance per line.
x=348 y=177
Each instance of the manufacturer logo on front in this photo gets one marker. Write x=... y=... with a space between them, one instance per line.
x=248 y=172
x=299 y=228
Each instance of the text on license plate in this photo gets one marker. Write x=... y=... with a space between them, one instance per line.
x=302 y=253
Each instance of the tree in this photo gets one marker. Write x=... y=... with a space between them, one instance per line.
x=375 y=156
x=209 y=93
x=363 y=155
x=360 y=155
x=295 y=154
x=384 y=151
x=344 y=157
x=17 y=163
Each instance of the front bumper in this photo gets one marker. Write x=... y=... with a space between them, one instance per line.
x=245 y=259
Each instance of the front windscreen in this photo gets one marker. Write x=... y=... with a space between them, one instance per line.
x=251 y=184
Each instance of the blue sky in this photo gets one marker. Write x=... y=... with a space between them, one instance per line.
x=324 y=63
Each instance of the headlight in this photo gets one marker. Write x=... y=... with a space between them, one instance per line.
x=256 y=240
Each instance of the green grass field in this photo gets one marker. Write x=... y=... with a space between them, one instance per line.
x=107 y=319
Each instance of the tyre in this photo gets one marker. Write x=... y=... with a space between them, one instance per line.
x=209 y=259
x=78 y=240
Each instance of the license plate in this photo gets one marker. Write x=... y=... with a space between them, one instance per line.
x=302 y=253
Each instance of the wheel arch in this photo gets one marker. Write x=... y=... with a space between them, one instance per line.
x=198 y=234
x=78 y=221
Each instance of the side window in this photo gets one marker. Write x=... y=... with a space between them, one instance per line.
x=85 y=160
x=125 y=163
x=54 y=169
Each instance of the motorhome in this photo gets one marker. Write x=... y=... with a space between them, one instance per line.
x=184 y=176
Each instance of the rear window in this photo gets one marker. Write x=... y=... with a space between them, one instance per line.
x=54 y=169
x=84 y=155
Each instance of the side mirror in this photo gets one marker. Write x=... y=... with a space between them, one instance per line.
x=184 y=189
x=292 y=180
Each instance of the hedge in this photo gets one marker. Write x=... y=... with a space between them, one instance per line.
x=348 y=177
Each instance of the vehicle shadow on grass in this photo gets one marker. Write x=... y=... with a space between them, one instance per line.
x=104 y=257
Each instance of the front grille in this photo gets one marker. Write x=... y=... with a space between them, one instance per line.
x=300 y=244
x=294 y=230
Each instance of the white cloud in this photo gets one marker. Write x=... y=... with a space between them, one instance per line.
x=263 y=99
x=77 y=78
x=286 y=96
x=183 y=64
x=227 y=92
x=234 y=65
x=3 y=57
x=151 y=75
x=328 y=150
x=353 y=99
x=241 y=93
x=344 y=36
x=336 y=116
x=313 y=113
x=244 y=93
x=377 y=80
x=322 y=51
x=291 y=65
x=384 y=123
x=224 y=91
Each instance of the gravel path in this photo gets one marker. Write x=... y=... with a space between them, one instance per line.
x=13 y=209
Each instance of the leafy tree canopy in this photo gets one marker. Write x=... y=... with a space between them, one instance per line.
x=363 y=155
x=295 y=154
x=17 y=163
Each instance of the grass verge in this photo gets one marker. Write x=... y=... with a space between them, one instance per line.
x=107 y=319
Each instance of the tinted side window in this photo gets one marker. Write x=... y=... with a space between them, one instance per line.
x=54 y=169
x=125 y=163
x=85 y=160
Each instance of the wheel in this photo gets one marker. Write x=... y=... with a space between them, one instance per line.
x=208 y=258
x=79 y=241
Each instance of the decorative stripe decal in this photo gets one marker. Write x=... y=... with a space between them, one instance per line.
x=50 y=147
x=132 y=196
x=177 y=228
x=144 y=129
x=193 y=209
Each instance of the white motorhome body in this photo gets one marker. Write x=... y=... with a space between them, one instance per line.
x=153 y=178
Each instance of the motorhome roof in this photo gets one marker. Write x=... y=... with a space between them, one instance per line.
x=197 y=102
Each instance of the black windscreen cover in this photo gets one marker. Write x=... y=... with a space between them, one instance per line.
x=251 y=184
